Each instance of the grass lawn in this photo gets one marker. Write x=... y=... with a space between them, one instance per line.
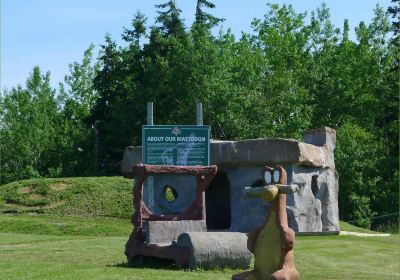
x=76 y=228
x=56 y=249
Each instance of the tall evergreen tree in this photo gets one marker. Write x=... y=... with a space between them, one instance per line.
x=204 y=19
x=170 y=20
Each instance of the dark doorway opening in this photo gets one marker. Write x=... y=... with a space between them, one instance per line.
x=218 y=203
x=314 y=185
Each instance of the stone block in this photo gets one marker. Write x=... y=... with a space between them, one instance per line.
x=216 y=249
x=132 y=155
x=324 y=136
x=168 y=231
x=253 y=152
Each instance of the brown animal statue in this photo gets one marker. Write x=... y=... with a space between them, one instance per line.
x=272 y=244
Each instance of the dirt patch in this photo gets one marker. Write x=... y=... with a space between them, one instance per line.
x=26 y=189
x=37 y=196
x=11 y=204
x=23 y=208
x=54 y=205
x=60 y=186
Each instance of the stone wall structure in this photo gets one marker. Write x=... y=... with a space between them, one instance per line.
x=309 y=164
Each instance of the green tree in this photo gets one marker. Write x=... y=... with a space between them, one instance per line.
x=354 y=91
x=30 y=139
x=78 y=98
x=357 y=154
x=282 y=37
x=170 y=19
x=204 y=19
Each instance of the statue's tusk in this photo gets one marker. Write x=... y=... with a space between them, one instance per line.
x=252 y=192
x=288 y=189
x=267 y=193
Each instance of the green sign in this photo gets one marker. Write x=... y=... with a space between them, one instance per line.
x=176 y=144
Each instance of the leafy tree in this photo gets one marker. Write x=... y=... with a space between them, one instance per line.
x=31 y=145
x=78 y=99
x=357 y=155
x=282 y=37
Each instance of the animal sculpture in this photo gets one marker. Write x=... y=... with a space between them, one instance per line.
x=272 y=243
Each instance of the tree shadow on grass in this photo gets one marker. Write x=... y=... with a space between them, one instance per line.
x=148 y=262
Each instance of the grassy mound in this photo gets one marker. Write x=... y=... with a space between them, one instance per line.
x=83 y=197
x=348 y=227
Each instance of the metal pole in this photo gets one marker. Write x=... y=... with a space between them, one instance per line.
x=150 y=113
x=199 y=113
x=149 y=183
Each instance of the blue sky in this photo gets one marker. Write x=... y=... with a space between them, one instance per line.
x=53 y=34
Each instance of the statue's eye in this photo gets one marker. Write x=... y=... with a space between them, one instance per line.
x=277 y=176
x=267 y=177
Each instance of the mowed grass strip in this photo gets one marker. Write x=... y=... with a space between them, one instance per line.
x=64 y=225
x=45 y=257
x=33 y=256
x=348 y=257
x=81 y=258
